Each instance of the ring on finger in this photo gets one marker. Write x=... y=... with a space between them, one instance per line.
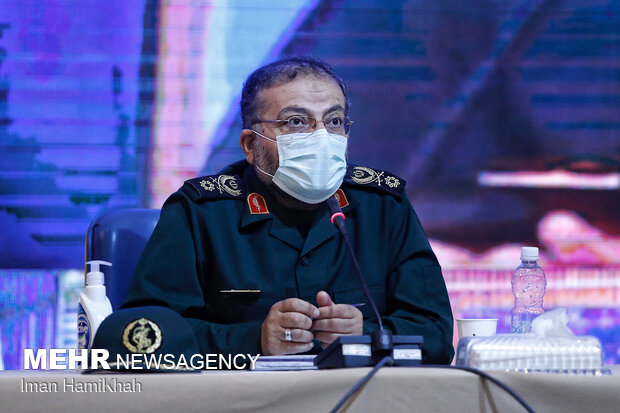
x=288 y=334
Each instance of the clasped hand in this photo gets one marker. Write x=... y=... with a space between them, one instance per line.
x=306 y=322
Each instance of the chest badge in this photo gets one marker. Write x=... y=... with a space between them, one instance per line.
x=341 y=198
x=257 y=204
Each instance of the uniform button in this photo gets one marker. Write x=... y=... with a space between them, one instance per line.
x=304 y=261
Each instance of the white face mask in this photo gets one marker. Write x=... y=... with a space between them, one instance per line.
x=312 y=165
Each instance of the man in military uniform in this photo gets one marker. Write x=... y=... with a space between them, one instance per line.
x=249 y=256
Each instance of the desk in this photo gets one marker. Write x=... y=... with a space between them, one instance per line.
x=391 y=390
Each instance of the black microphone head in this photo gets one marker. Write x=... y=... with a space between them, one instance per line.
x=336 y=215
x=333 y=205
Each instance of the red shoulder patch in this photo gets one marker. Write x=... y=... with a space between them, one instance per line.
x=257 y=204
x=341 y=198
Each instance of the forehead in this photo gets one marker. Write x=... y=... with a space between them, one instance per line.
x=311 y=93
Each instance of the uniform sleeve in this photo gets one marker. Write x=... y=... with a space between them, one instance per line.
x=167 y=275
x=417 y=300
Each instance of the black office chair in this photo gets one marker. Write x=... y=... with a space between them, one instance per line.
x=119 y=236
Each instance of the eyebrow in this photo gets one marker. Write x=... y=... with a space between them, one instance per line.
x=293 y=109
x=334 y=108
x=304 y=111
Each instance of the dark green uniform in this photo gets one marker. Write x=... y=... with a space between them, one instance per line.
x=221 y=235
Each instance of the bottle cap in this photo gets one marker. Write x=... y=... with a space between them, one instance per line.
x=94 y=276
x=529 y=253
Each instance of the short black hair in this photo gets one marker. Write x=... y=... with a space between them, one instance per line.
x=279 y=72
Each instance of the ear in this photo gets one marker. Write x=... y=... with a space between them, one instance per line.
x=246 y=140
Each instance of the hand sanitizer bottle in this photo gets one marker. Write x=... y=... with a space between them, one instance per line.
x=94 y=305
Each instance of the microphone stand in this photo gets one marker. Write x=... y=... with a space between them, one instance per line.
x=358 y=351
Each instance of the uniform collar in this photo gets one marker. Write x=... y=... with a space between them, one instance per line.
x=320 y=230
x=256 y=193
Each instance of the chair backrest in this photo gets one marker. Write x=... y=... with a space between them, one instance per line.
x=119 y=236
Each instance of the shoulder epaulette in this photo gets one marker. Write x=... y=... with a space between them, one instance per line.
x=216 y=187
x=375 y=179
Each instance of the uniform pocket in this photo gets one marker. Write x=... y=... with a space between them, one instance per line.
x=356 y=296
x=232 y=308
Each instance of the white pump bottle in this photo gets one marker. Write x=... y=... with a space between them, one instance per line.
x=94 y=305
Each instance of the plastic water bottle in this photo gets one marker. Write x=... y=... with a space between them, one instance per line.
x=528 y=286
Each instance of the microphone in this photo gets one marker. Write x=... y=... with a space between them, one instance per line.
x=380 y=347
x=337 y=218
x=382 y=338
